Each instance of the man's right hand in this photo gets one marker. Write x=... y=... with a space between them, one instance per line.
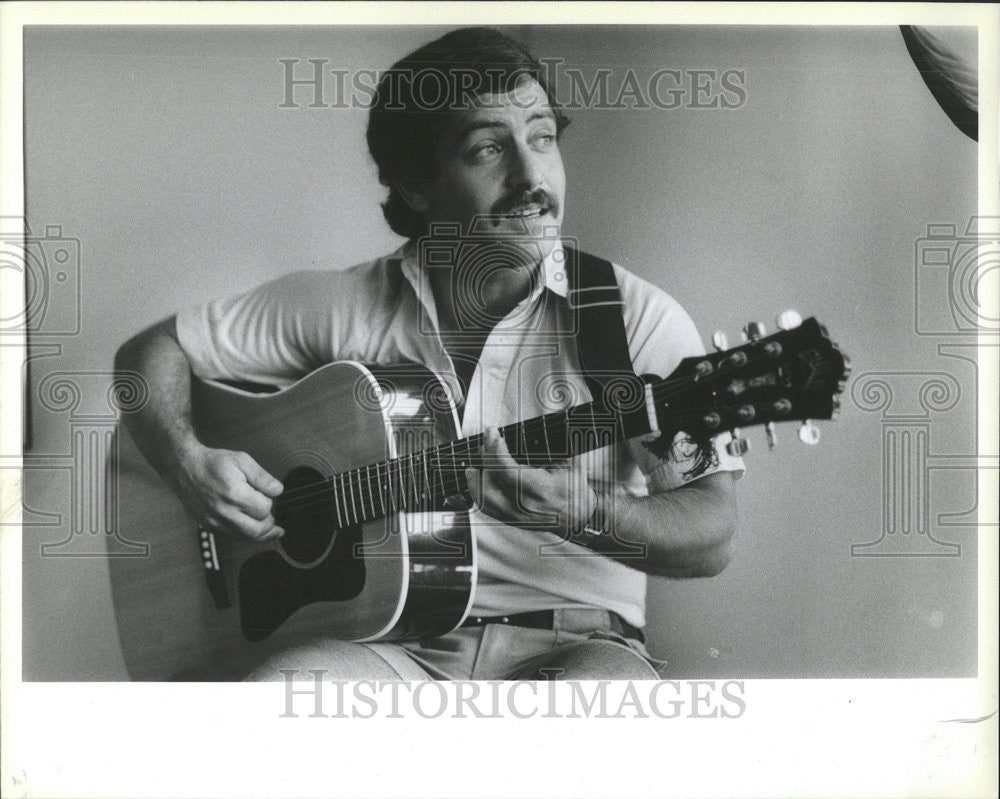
x=228 y=492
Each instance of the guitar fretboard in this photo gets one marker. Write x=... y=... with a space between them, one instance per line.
x=422 y=480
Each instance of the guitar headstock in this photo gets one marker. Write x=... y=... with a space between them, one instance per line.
x=797 y=373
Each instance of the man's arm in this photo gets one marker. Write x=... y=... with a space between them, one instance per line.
x=224 y=491
x=686 y=532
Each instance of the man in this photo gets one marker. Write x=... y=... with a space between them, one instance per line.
x=465 y=133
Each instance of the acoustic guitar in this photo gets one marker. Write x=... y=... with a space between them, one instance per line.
x=378 y=544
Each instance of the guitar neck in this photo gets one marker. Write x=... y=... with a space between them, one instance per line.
x=423 y=479
x=557 y=436
x=795 y=374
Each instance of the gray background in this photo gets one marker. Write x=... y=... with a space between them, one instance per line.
x=164 y=152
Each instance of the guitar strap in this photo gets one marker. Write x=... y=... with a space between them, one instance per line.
x=603 y=350
x=601 y=342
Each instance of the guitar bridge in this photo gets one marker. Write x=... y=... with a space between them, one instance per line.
x=214 y=578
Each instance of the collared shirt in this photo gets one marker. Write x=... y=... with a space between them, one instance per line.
x=383 y=312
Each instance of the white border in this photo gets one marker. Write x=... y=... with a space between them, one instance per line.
x=797 y=738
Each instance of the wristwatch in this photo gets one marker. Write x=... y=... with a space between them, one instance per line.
x=596 y=526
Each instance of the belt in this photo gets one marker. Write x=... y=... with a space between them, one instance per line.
x=546 y=620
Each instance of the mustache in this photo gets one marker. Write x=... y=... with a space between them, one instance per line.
x=537 y=197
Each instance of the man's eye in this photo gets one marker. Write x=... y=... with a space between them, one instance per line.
x=485 y=150
x=545 y=141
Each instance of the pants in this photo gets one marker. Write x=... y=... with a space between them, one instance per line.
x=581 y=646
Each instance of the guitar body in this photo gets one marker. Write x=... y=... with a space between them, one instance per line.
x=208 y=607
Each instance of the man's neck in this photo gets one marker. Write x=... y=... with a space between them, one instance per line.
x=476 y=305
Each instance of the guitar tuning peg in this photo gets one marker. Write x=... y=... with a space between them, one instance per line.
x=809 y=433
x=719 y=341
x=753 y=331
x=739 y=446
x=788 y=319
x=847 y=366
x=772 y=435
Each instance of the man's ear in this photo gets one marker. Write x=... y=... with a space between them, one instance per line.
x=413 y=195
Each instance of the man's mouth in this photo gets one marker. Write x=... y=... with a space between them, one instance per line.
x=527 y=212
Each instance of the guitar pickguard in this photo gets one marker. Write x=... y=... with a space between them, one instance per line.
x=271 y=589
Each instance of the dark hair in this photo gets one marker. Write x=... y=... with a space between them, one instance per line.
x=409 y=111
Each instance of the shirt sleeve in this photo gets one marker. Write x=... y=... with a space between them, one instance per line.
x=660 y=335
x=274 y=333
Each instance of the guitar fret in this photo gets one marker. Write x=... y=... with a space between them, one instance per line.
x=438 y=480
x=398 y=488
x=452 y=474
x=388 y=480
x=524 y=440
x=414 y=481
x=454 y=468
x=354 y=507
x=401 y=481
x=368 y=483
x=336 y=503
x=378 y=483
x=343 y=495
x=460 y=467
x=545 y=438
x=356 y=473
x=427 y=490
x=455 y=471
x=429 y=469
x=436 y=467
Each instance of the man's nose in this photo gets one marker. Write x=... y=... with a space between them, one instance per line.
x=525 y=170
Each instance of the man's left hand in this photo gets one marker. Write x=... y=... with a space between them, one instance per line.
x=554 y=498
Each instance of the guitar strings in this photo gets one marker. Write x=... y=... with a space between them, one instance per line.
x=403 y=466
x=535 y=426
x=319 y=494
x=403 y=492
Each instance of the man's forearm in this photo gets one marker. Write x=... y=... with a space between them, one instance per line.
x=687 y=532
x=162 y=427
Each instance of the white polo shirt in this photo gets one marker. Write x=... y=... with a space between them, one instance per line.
x=383 y=312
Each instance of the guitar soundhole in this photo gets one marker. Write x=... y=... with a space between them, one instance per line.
x=305 y=510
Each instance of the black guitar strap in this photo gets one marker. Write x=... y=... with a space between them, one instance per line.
x=603 y=350
x=601 y=342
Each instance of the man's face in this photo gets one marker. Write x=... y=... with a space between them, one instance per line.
x=501 y=160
